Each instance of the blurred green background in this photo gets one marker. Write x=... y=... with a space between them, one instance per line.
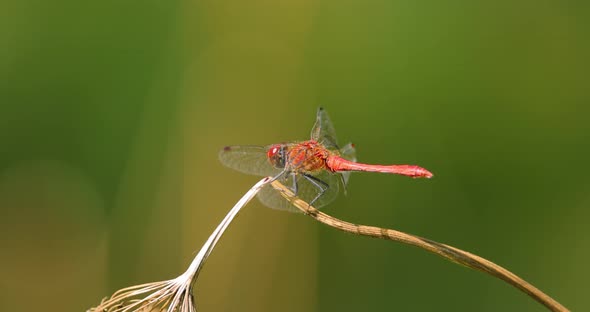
x=112 y=113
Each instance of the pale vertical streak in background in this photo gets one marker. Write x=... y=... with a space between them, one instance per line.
x=145 y=232
x=247 y=73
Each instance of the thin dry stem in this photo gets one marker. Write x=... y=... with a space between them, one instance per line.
x=174 y=295
x=451 y=253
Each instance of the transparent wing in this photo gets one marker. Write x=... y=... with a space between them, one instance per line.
x=248 y=159
x=306 y=190
x=323 y=130
x=347 y=152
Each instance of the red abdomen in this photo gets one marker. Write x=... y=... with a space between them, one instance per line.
x=336 y=163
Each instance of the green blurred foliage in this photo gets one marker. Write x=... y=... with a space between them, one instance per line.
x=111 y=115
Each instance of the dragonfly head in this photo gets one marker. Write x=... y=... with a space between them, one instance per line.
x=276 y=155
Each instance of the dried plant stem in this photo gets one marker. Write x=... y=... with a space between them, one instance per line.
x=451 y=253
x=175 y=295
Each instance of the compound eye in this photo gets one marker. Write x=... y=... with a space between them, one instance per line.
x=273 y=151
x=275 y=156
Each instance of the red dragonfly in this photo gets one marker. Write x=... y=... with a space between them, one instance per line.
x=313 y=169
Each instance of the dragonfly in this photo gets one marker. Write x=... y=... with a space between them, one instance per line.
x=314 y=170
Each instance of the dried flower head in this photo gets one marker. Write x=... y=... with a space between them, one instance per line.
x=175 y=295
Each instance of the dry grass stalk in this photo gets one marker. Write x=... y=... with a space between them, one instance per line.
x=174 y=295
x=451 y=253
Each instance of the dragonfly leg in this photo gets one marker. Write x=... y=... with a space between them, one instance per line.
x=278 y=176
x=323 y=186
x=284 y=175
x=294 y=183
